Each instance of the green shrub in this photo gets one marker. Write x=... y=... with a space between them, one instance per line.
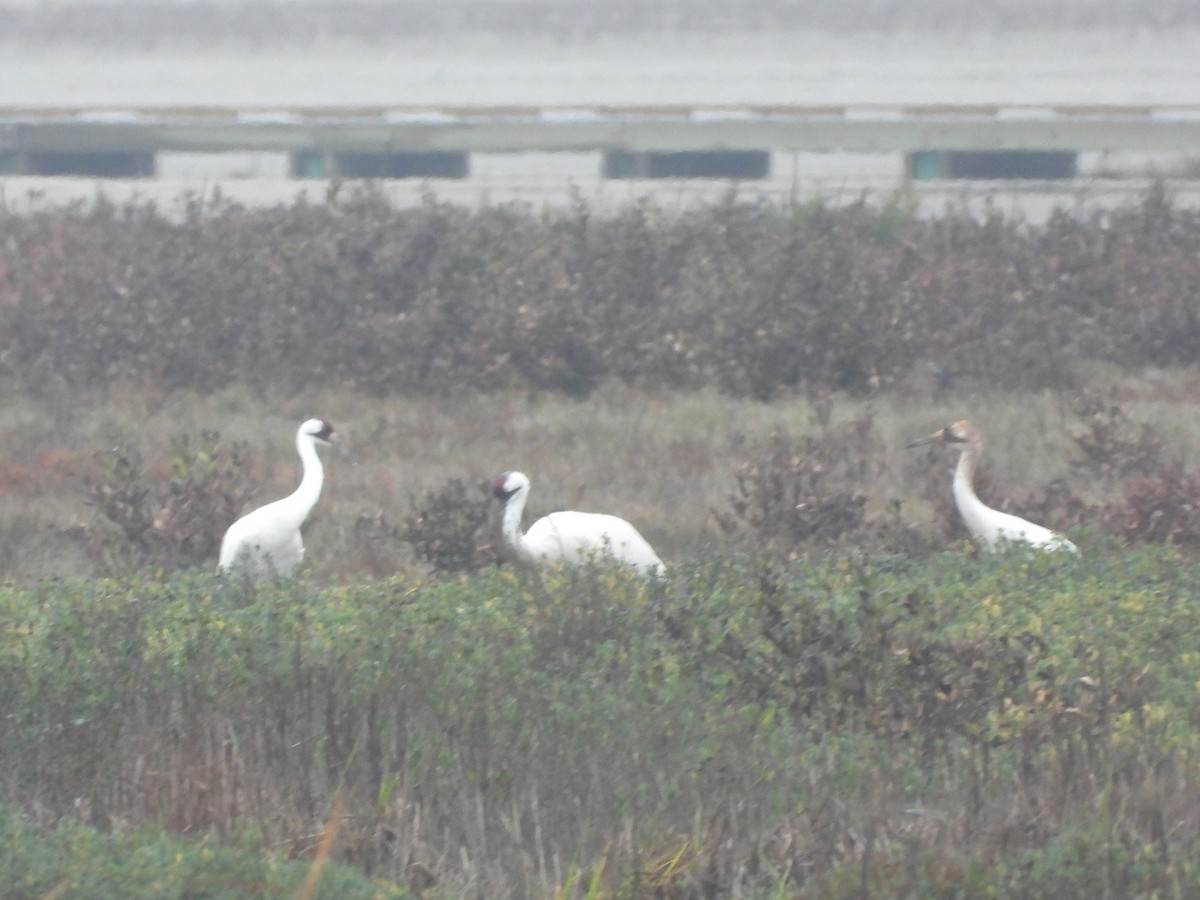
x=81 y=863
x=753 y=726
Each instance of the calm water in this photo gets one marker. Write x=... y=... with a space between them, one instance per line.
x=1109 y=67
x=1037 y=68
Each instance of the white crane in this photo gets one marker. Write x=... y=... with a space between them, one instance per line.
x=267 y=541
x=988 y=525
x=568 y=538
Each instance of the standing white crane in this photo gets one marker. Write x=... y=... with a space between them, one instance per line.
x=568 y=538
x=991 y=526
x=267 y=541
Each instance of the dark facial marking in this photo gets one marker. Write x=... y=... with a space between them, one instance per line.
x=953 y=437
x=498 y=490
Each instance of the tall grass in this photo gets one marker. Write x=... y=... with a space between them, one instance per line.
x=1016 y=723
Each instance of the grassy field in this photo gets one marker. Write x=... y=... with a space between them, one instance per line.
x=833 y=694
x=664 y=461
x=832 y=722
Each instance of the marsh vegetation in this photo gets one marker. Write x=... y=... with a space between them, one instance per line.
x=833 y=695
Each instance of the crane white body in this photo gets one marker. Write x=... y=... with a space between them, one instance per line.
x=990 y=526
x=267 y=542
x=568 y=538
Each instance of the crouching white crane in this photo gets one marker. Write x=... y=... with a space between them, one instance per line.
x=988 y=525
x=267 y=541
x=568 y=538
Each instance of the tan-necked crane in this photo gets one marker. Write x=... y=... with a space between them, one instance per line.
x=568 y=538
x=991 y=526
x=267 y=541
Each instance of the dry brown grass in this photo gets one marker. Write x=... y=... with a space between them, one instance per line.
x=663 y=461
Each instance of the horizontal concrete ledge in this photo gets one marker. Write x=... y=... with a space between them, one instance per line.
x=646 y=141
x=633 y=129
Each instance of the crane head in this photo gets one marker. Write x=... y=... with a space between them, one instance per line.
x=319 y=430
x=961 y=432
x=507 y=484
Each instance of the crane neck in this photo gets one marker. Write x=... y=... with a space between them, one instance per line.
x=964 y=472
x=972 y=509
x=510 y=525
x=305 y=497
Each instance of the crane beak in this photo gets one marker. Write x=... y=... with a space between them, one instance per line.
x=337 y=444
x=931 y=439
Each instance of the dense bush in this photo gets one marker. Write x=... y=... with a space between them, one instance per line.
x=799 y=495
x=446 y=527
x=748 y=728
x=1122 y=482
x=754 y=299
x=174 y=521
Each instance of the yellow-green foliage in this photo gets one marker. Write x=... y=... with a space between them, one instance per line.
x=1005 y=725
x=80 y=863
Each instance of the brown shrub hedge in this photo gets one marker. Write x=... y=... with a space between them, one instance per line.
x=755 y=299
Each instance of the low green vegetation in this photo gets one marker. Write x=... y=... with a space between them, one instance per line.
x=85 y=863
x=970 y=725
